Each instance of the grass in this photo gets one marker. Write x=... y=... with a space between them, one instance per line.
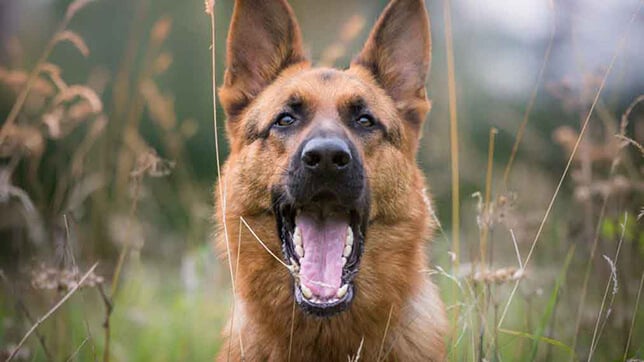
x=518 y=279
x=157 y=312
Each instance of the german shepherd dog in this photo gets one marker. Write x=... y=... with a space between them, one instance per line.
x=322 y=170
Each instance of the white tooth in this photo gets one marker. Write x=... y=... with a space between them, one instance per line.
x=347 y=251
x=306 y=291
x=299 y=250
x=349 y=237
x=344 y=261
x=342 y=291
x=297 y=236
x=294 y=265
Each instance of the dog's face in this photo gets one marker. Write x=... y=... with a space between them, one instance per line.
x=324 y=150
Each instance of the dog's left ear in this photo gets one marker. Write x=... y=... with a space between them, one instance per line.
x=397 y=54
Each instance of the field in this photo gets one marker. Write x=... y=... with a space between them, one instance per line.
x=108 y=157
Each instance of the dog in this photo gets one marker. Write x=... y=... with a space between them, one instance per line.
x=322 y=210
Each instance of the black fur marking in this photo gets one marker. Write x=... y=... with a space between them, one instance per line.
x=327 y=75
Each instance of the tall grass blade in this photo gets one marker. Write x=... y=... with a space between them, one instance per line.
x=453 y=133
x=531 y=101
x=550 y=341
x=630 y=331
x=453 y=136
x=552 y=302
x=488 y=194
x=612 y=279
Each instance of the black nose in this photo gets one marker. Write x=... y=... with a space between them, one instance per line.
x=326 y=154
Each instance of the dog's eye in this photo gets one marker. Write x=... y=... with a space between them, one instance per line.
x=365 y=121
x=284 y=120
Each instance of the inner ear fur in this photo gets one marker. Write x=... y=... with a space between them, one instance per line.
x=398 y=54
x=264 y=38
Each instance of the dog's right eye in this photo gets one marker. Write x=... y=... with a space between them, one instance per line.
x=284 y=120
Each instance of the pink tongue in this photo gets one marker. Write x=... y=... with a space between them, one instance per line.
x=323 y=241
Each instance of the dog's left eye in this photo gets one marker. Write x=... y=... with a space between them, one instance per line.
x=365 y=121
x=284 y=120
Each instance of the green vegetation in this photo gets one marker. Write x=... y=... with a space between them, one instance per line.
x=107 y=155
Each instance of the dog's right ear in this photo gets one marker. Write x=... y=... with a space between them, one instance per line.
x=263 y=40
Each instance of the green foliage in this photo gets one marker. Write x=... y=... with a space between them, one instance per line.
x=156 y=121
x=552 y=302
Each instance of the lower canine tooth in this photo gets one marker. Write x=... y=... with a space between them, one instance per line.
x=344 y=261
x=306 y=291
x=347 y=251
x=297 y=236
x=299 y=250
x=342 y=291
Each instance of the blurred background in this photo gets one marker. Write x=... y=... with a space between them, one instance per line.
x=107 y=155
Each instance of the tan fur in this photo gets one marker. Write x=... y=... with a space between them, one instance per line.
x=392 y=275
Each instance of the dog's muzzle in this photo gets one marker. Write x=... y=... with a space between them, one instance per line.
x=322 y=215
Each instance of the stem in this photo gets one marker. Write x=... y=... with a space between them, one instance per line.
x=488 y=187
x=531 y=101
x=50 y=312
x=22 y=96
x=453 y=136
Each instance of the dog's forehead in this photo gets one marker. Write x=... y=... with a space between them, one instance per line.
x=329 y=87
x=329 y=77
x=324 y=93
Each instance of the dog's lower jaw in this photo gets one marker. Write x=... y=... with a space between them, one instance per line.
x=265 y=301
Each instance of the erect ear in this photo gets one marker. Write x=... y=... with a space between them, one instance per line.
x=264 y=39
x=397 y=54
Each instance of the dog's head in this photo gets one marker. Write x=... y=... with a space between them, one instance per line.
x=327 y=152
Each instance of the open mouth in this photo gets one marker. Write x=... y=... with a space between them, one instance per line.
x=323 y=243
